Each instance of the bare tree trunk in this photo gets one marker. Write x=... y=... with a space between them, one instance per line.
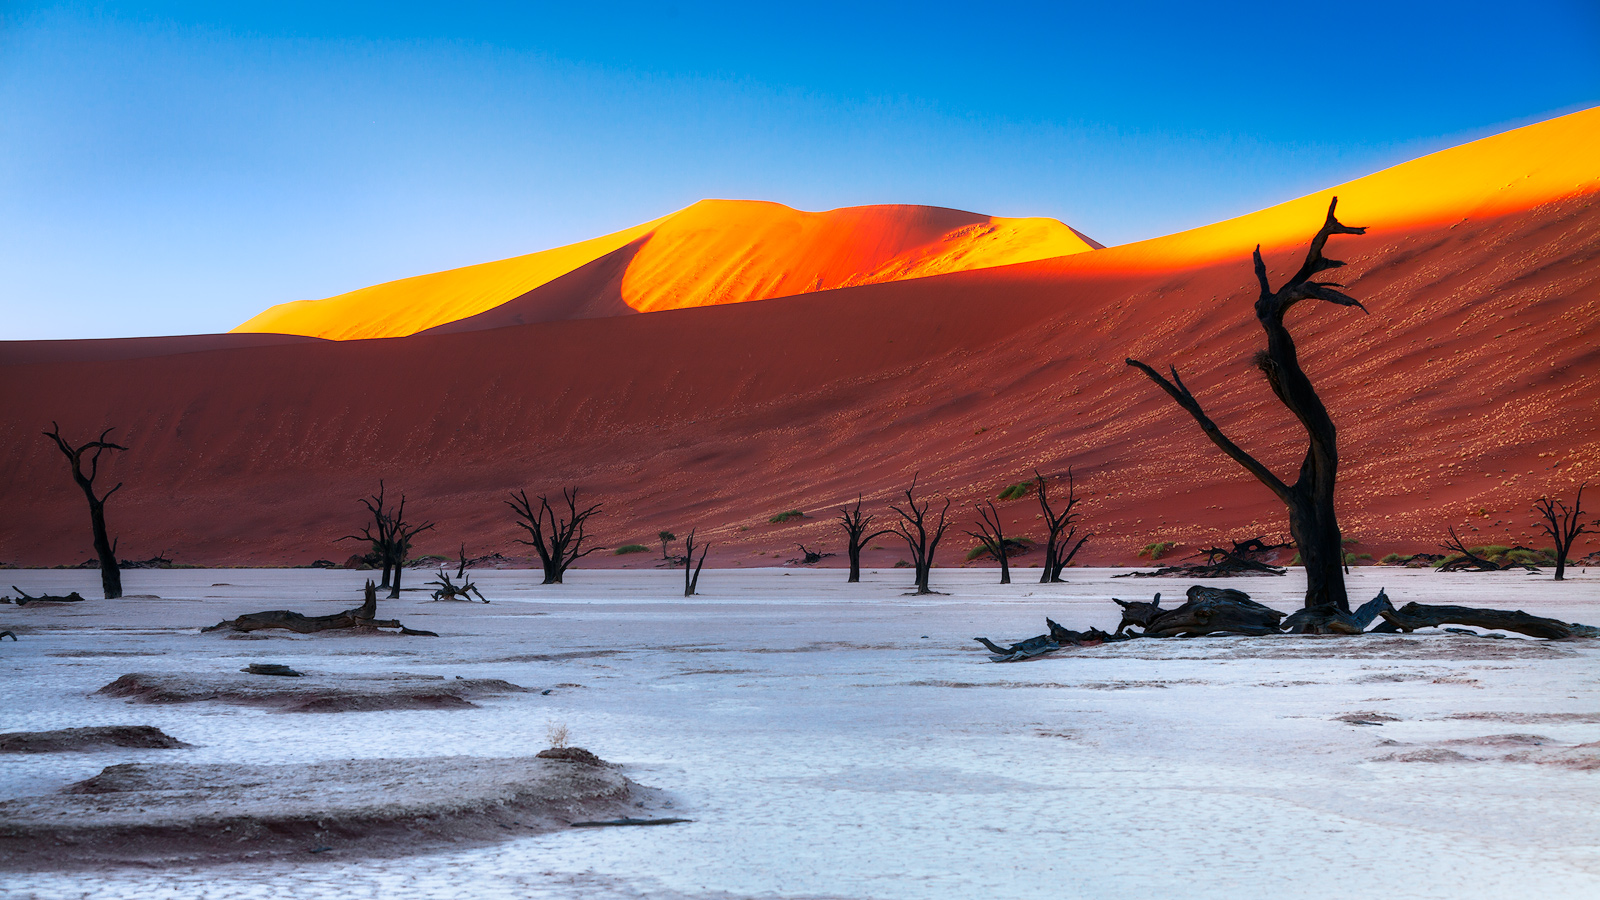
x=691 y=569
x=104 y=548
x=855 y=528
x=1310 y=500
x=557 y=539
x=914 y=528
x=1563 y=525
x=1061 y=527
x=993 y=539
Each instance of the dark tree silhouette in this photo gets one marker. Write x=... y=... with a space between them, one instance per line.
x=1060 y=528
x=1312 y=521
x=401 y=533
x=1563 y=525
x=379 y=532
x=558 y=539
x=993 y=539
x=691 y=569
x=668 y=537
x=855 y=525
x=390 y=536
x=921 y=534
x=110 y=573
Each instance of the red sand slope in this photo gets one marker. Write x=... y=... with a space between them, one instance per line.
x=714 y=252
x=1467 y=392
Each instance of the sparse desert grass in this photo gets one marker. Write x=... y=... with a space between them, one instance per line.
x=1017 y=491
x=625 y=549
x=783 y=517
x=1158 y=549
x=556 y=733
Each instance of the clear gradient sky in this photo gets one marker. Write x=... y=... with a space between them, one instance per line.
x=171 y=168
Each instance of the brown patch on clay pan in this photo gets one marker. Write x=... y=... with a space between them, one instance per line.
x=99 y=737
x=200 y=814
x=310 y=693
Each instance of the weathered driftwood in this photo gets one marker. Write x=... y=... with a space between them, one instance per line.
x=446 y=589
x=1415 y=615
x=1211 y=610
x=1090 y=638
x=1028 y=649
x=22 y=598
x=808 y=557
x=1461 y=559
x=363 y=616
x=7 y=634
x=1331 y=620
x=1247 y=557
x=1137 y=612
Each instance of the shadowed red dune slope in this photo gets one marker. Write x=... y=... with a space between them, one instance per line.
x=1467 y=392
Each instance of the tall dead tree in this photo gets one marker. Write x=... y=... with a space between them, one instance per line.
x=1563 y=525
x=400 y=534
x=558 y=539
x=855 y=525
x=691 y=569
x=378 y=532
x=993 y=539
x=1312 y=522
x=110 y=573
x=1061 y=527
x=921 y=534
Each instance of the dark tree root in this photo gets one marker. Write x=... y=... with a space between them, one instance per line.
x=613 y=823
x=1210 y=610
x=23 y=599
x=1415 y=615
x=363 y=616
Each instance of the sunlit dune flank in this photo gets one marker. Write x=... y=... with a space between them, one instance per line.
x=410 y=305
x=713 y=252
x=1502 y=174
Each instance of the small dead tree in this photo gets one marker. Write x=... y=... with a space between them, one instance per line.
x=104 y=548
x=1563 y=525
x=400 y=535
x=1313 y=524
x=1061 y=527
x=855 y=525
x=558 y=539
x=379 y=532
x=921 y=534
x=691 y=569
x=993 y=539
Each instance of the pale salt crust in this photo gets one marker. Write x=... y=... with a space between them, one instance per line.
x=834 y=740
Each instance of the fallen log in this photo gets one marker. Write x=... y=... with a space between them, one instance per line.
x=22 y=598
x=363 y=616
x=1137 y=612
x=1090 y=638
x=1028 y=649
x=1332 y=620
x=1211 y=610
x=1415 y=615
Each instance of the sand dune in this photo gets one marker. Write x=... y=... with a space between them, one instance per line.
x=1466 y=393
x=714 y=252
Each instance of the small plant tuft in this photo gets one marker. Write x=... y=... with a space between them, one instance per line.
x=625 y=549
x=556 y=734
x=783 y=517
x=1017 y=491
x=1158 y=549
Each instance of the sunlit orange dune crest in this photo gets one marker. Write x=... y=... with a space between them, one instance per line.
x=1501 y=174
x=711 y=253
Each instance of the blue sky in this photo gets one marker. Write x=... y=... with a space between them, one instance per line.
x=177 y=167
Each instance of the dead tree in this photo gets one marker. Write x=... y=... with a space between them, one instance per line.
x=558 y=540
x=1313 y=524
x=104 y=548
x=1062 y=527
x=921 y=534
x=378 y=533
x=993 y=539
x=1462 y=559
x=691 y=569
x=855 y=525
x=1563 y=525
